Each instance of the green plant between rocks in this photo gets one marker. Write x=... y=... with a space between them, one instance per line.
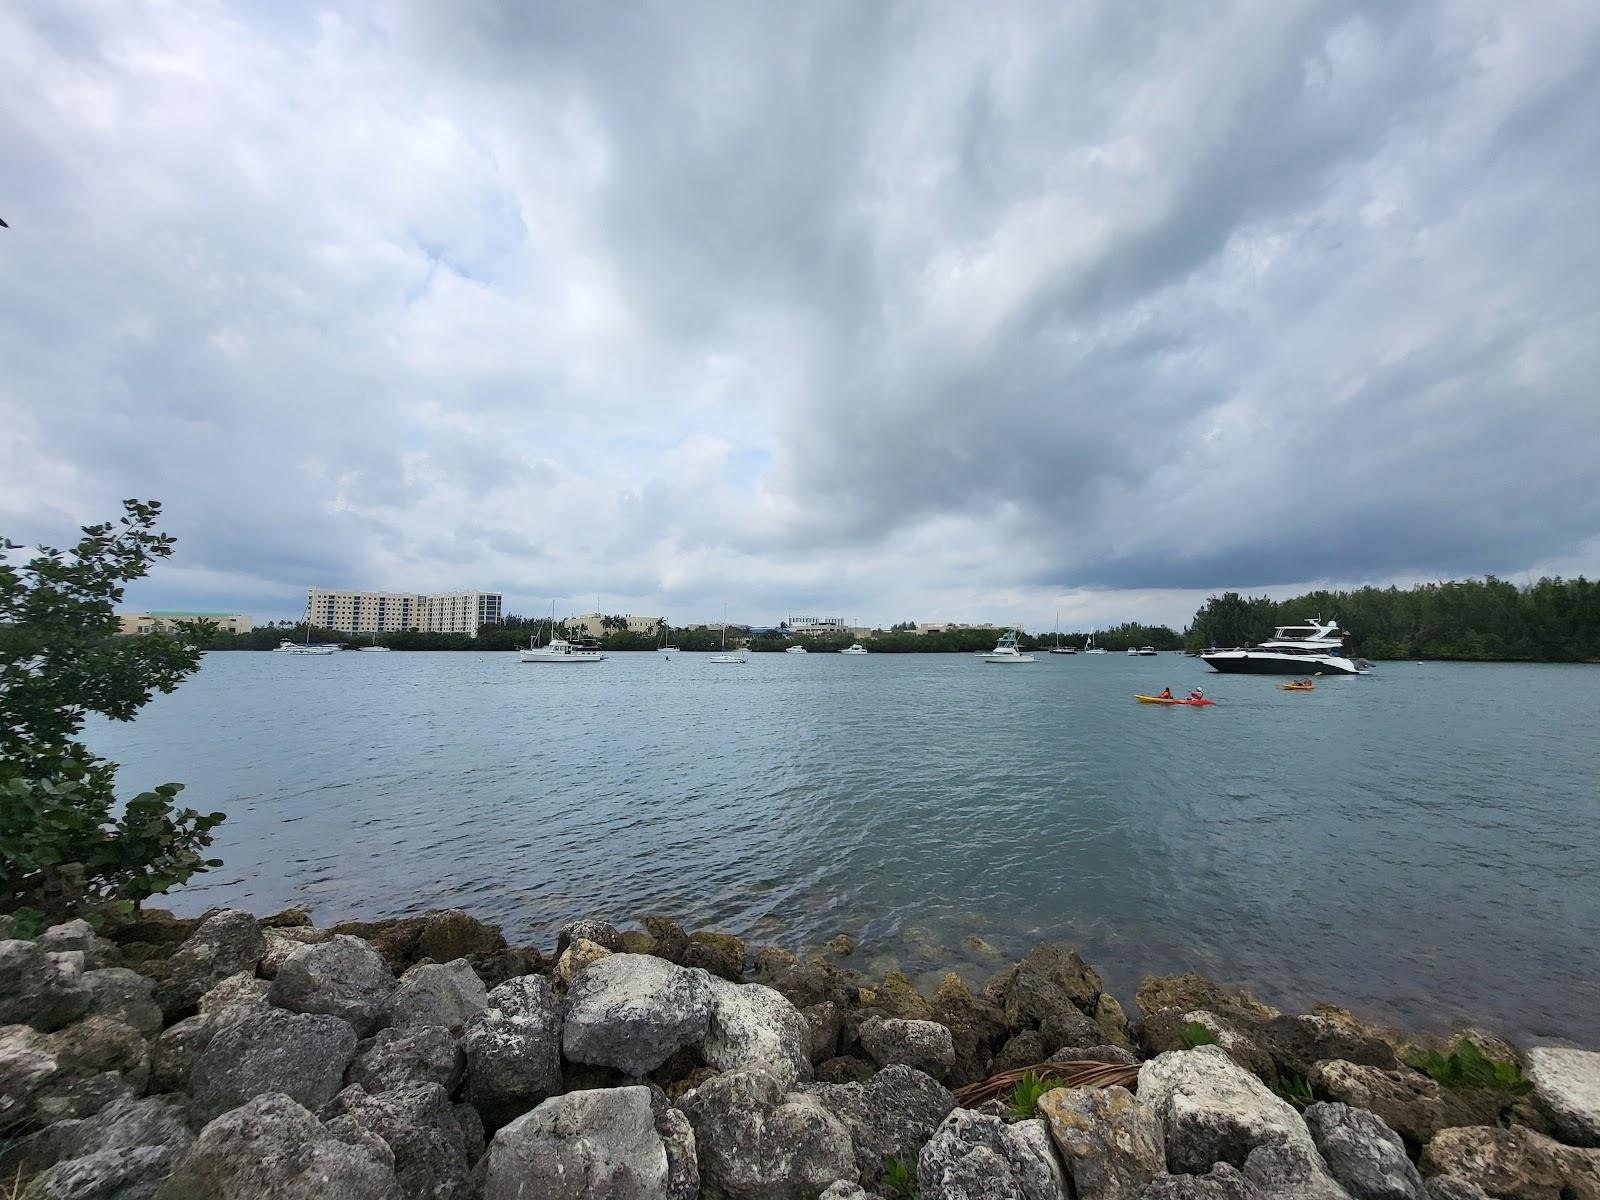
x=1467 y=1067
x=1195 y=1034
x=1296 y=1090
x=1025 y=1094
x=899 y=1179
x=68 y=847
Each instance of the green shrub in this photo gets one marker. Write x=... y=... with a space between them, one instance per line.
x=1024 y=1101
x=1195 y=1034
x=1469 y=1067
x=1296 y=1090
x=899 y=1179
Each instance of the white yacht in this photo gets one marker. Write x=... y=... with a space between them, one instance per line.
x=854 y=648
x=558 y=650
x=1007 y=651
x=375 y=649
x=1309 y=649
x=1143 y=651
x=795 y=650
x=666 y=650
x=288 y=647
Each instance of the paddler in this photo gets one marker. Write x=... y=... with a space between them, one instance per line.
x=1166 y=693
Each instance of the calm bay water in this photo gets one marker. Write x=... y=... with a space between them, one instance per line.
x=1419 y=844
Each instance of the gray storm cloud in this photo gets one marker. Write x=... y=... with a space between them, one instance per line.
x=877 y=307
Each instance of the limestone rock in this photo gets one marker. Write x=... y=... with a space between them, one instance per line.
x=1566 y=1087
x=892 y=1115
x=79 y=935
x=1021 y=1050
x=722 y=954
x=270 y=1051
x=512 y=1050
x=272 y=1147
x=1166 y=1030
x=825 y=1022
x=41 y=988
x=1296 y=1043
x=342 y=977
x=805 y=982
x=1515 y=1163
x=1110 y=1144
x=1410 y=1103
x=600 y=1143
x=976 y=1025
x=842 y=944
x=924 y=1045
x=1213 y=1110
x=898 y=997
x=438 y=994
x=395 y=1058
x=1108 y=1054
x=1186 y=992
x=1051 y=980
x=1067 y=1027
x=1112 y=1022
x=242 y=988
x=1363 y=1154
x=601 y=933
x=69 y=1074
x=843 y=1190
x=432 y=1152
x=752 y=1024
x=226 y=943
x=124 y=1152
x=667 y=938
x=633 y=1011
x=757 y=1142
x=450 y=934
x=1222 y=1182
x=845 y=1069
x=1291 y=1171
x=125 y=996
x=1454 y=1187
x=494 y=967
x=282 y=942
x=677 y=1139
x=580 y=954
x=973 y=1156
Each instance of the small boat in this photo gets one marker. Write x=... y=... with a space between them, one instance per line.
x=374 y=649
x=1007 y=651
x=725 y=659
x=1058 y=648
x=666 y=650
x=795 y=650
x=559 y=650
x=1144 y=651
x=1298 y=687
x=1090 y=648
x=854 y=648
x=288 y=647
x=1172 y=700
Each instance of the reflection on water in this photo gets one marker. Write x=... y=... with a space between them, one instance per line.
x=1417 y=843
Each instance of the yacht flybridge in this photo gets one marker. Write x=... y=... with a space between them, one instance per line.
x=1317 y=647
x=1007 y=651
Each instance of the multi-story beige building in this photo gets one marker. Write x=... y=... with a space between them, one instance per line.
x=164 y=622
x=396 y=612
x=592 y=624
x=948 y=626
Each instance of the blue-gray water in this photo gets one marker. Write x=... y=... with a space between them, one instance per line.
x=1419 y=844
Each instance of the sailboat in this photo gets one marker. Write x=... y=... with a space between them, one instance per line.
x=725 y=657
x=558 y=650
x=1058 y=648
x=1090 y=648
x=288 y=647
x=664 y=648
x=374 y=648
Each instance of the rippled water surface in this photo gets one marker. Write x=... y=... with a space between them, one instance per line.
x=1420 y=843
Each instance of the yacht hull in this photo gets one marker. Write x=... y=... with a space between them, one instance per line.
x=533 y=656
x=1258 y=662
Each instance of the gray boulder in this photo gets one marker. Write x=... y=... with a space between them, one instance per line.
x=1213 y=1110
x=282 y=942
x=1291 y=1171
x=174 y=1054
x=225 y=944
x=342 y=977
x=1454 y=1187
x=601 y=933
x=1566 y=1088
x=69 y=1074
x=826 y=1023
x=758 y=1142
x=445 y=994
x=1108 y=1054
x=1110 y=1144
x=241 y=989
x=123 y=1152
x=26 y=1065
x=125 y=996
x=1222 y=1182
x=432 y=1151
x=974 y=1156
x=1296 y=1043
x=892 y=1115
x=1020 y=1050
x=1363 y=1154
x=845 y=1069
x=79 y=935
x=924 y=1045
x=1514 y=1162
x=677 y=1139
x=633 y=1012
x=1165 y=1030
x=842 y=1190
x=1048 y=981
x=273 y=1148
x=396 y=1058
x=302 y=1056
x=1067 y=1027
x=751 y=1024
x=41 y=988
x=1410 y=1103
x=512 y=1050
x=600 y=1143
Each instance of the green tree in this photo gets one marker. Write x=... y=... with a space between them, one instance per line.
x=64 y=847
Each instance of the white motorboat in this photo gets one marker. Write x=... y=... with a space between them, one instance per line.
x=559 y=650
x=1007 y=651
x=374 y=649
x=854 y=648
x=1309 y=649
x=1144 y=651
x=795 y=650
x=288 y=647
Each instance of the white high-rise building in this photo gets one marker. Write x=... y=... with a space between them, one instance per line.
x=396 y=612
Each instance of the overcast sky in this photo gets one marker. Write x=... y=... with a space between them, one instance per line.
x=921 y=311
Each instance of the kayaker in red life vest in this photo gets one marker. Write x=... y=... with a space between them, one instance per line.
x=1166 y=693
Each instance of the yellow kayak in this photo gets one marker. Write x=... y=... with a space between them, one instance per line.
x=1164 y=700
x=1298 y=687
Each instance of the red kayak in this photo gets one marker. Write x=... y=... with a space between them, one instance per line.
x=1174 y=700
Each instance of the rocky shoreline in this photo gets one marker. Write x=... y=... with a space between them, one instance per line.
x=230 y=1057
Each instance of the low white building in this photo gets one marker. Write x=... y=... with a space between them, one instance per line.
x=818 y=627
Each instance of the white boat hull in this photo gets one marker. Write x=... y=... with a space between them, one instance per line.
x=306 y=650
x=540 y=656
x=727 y=660
x=1266 y=662
x=1007 y=658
